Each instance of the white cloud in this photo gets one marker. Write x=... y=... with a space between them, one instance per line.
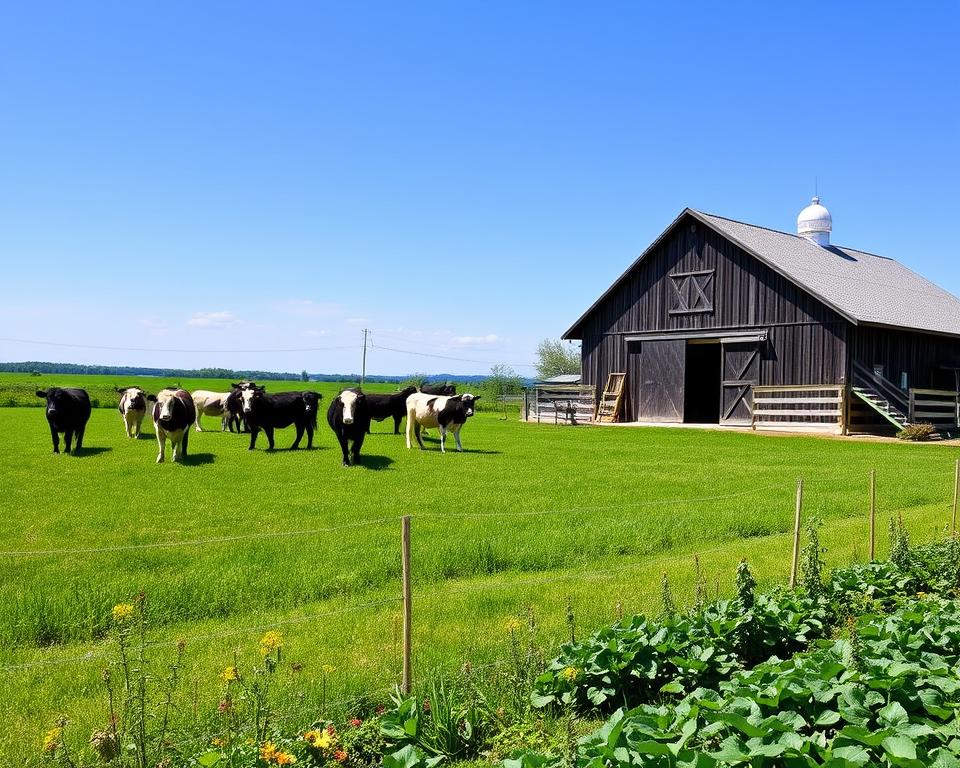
x=221 y=319
x=357 y=320
x=474 y=341
x=308 y=308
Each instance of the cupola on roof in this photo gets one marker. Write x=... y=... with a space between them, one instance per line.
x=815 y=223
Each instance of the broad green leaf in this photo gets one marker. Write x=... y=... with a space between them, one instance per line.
x=900 y=747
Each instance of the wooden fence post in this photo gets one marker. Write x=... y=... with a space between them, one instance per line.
x=796 y=535
x=873 y=514
x=407 y=681
x=956 y=492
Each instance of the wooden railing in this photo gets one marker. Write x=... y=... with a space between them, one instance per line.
x=808 y=406
x=560 y=403
x=939 y=407
x=864 y=377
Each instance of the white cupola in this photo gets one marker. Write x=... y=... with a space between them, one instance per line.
x=815 y=223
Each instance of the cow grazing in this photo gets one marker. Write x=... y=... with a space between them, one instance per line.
x=269 y=412
x=394 y=404
x=437 y=411
x=132 y=407
x=173 y=414
x=349 y=418
x=68 y=411
x=212 y=404
x=439 y=389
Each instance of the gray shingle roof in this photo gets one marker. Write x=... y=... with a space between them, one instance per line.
x=862 y=286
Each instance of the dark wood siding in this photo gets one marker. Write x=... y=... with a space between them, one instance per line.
x=920 y=355
x=697 y=280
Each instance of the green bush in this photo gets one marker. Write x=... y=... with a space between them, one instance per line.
x=917 y=432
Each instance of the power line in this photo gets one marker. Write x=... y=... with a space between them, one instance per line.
x=449 y=357
x=171 y=349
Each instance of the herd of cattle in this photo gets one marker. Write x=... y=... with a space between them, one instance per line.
x=248 y=407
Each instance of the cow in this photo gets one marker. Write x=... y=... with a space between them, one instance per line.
x=394 y=404
x=269 y=412
x=212 y=404
x=233 y=411
x=132 y=407
x=68 y=411
x=439 y=389
x=446 y=413
x=173 y=414
x=349 y=418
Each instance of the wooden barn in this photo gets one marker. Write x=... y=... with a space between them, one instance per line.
x=724 y=322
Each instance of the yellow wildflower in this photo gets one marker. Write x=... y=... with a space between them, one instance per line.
x=570 y=673
x=217 y=741
x=229 y=674
x=323 y=740
x=122 y=612
x=270 y=642
x=285 y=758
x=513 y=625
x=268 y=752
x=53 y=739
x=328 y=669
x=311 y=737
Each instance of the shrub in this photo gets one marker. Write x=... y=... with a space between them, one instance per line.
x=916 y=432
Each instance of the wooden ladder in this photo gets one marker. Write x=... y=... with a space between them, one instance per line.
x=608 y=409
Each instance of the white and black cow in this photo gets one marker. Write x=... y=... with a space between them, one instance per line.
x=173 y=415
x=132 y=407
x=394 y=404
x=349 y=418
x=211 y=404
x=269 y=412
x=450 y=412
x=68 y=411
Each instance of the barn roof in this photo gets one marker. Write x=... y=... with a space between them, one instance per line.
x=862 y=287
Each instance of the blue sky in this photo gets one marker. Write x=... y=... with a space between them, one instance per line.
x=463 y=179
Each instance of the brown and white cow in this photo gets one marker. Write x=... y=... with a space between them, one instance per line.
x=173 y=413
x=212 y=404
x=132 y=407
x=447 y=413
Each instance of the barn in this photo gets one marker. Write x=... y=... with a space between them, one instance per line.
x=723 y=322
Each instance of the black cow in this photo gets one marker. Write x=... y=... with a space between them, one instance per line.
x=233 y=411
x=439 y=389
x=270 y=412
x=349 y=418
x=394 y=404
x=173 y=414
x=68 y=411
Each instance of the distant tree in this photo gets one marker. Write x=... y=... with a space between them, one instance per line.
x=555 y=358
x=414 y=380
x=502 y=381
x=304 y=376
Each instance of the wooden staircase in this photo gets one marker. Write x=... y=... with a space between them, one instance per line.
x=882 y=406
x=608 y=407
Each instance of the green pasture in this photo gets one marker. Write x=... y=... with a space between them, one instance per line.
x=529 y=517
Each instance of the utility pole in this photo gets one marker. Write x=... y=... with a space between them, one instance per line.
x=363 y=372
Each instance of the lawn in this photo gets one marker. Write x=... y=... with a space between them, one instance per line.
x=528 y=517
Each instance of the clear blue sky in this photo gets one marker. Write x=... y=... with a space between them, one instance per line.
x=462 y=178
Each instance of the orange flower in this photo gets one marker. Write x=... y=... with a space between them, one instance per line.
x=340 y=756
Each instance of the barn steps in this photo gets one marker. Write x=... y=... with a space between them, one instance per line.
x=882 y=406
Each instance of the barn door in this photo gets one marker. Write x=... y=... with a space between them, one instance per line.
x=741 y=370
x=661 y=387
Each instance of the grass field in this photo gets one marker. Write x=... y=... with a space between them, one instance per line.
x=532 y=516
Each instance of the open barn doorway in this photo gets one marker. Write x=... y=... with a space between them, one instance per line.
x=701 y=400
